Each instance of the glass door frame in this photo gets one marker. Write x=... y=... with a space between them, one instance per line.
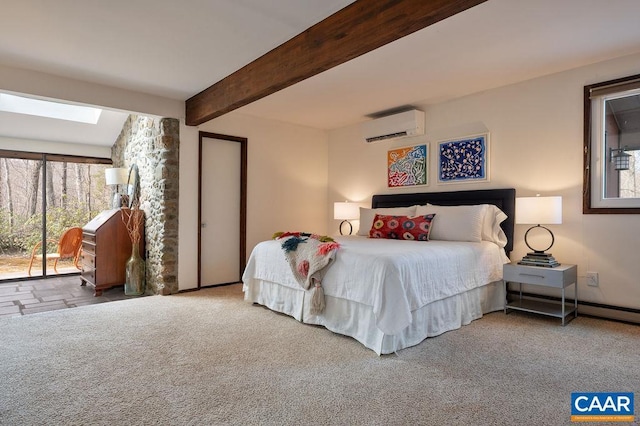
x=44 y=158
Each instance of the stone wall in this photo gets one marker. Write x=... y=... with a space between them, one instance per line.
x=153 y=145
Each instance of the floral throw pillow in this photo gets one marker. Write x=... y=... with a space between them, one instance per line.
x=402 y=227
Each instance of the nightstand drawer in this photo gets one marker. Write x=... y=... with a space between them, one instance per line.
x=560 y=276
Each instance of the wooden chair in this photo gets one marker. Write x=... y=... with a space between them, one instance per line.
x=69 y=246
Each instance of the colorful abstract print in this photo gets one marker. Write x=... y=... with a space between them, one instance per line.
x=407 y=166
x=463 y=159
x=402 y=227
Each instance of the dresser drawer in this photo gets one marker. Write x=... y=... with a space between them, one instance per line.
x=88 y=247
x=88 y=262
x=89 y=276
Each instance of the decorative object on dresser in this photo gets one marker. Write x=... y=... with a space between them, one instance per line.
x=135 y=270
x=106 y=247
x=534 y=211
x=133 y=186
x=116 y=177
x=346 y=211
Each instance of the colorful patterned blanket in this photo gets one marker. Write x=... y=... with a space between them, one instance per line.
x=309 y=256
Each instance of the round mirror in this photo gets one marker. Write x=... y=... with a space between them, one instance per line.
x=133 y=186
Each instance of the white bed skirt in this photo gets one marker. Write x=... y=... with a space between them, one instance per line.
x=357 y=320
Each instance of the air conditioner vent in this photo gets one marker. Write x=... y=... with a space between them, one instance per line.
x=404 y=124
x=391 y=136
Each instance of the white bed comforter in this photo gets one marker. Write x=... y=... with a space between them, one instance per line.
x=394 y=277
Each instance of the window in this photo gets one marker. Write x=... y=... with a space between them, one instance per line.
x=41 y=196
x=49 y=109
x=612 y=146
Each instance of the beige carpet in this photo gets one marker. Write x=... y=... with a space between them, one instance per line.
x=209 y=358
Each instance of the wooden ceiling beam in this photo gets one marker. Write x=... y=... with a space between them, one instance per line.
x=359 y=28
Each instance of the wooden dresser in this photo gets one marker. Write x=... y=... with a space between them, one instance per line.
x=106 y=247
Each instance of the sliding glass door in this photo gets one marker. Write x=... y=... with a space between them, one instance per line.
x=44 y=200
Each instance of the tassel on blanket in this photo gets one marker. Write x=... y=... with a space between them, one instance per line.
x=317 y=301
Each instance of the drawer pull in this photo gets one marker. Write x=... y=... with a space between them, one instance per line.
x=532 y=275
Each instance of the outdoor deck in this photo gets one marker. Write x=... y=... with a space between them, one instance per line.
x=58 y=292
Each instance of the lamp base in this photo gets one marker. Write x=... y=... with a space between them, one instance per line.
x=529 y=245
x=538 y=258
x=539 y=253
x=116 y=202
x=350 y=227
x=119 y=201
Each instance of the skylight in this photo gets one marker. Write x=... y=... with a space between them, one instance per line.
x=40 y=108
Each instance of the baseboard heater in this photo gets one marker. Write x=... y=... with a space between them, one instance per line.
x=599 y=310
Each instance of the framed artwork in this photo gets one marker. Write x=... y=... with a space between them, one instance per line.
x=464 y=160
x=407 y=166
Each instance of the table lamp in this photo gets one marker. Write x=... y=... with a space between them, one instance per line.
x=346 y=211
x=116 y=176
x=537 y=211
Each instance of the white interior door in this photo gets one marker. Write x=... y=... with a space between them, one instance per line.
x=220 y=212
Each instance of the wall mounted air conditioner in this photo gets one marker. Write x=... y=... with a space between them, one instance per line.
x=403 y=124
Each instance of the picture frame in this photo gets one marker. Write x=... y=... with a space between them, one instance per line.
x=464 y=160
x=408 y=166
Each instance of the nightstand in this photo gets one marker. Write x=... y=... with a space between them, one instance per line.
x=560 y=277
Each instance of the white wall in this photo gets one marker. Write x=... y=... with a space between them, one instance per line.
x=536 y=147
x=188 y=208
x=286 y=182
x=287 y=175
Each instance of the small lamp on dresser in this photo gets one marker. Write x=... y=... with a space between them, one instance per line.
x=537 y=211
x=116 y=176
x=346 y=211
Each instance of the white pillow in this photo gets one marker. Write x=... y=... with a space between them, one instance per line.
x=460 y=223
x=367 y=216
x=455 y=223
x=491 y=230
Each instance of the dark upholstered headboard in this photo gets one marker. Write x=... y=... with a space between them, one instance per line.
x=505 y=199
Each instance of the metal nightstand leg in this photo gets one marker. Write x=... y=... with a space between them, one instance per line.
x=506 y=294
x=575 y=304
x=563 y=313
x=575 y=300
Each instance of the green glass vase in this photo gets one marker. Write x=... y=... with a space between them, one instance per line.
x=135 y=284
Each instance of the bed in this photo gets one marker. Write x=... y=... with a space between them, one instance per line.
x=391 y=294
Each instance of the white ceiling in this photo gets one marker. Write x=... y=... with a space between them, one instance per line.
x=176 y=48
